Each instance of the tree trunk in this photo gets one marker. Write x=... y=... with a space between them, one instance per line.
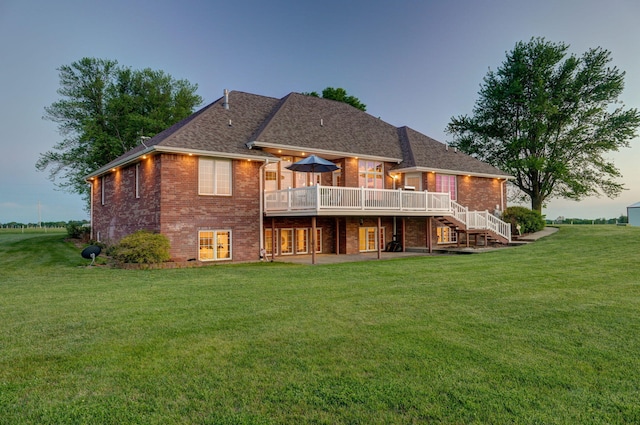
x=536 y=203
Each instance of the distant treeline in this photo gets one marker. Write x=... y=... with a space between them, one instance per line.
x=46 y=224
x=623 y=219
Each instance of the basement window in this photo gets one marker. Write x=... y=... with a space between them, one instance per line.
x=446 y=235
x=214 y=245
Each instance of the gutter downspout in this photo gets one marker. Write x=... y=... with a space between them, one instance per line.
x=502 y=206
x=262 y=252
x=91 y=210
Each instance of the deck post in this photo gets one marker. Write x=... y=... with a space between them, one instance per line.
x=313 y=239
x=429 y=236
x=404 y=238
x=379 y=237
x=337 y=236
x=273 y=239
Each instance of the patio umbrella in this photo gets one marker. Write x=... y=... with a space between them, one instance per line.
x=313 y=164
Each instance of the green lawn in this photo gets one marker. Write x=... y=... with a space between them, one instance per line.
x=547 y=333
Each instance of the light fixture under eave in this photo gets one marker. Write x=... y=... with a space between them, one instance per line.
x=113 y=169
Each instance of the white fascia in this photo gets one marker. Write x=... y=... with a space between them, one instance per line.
x=197 y=152
x=455 y=172
x=323 y=152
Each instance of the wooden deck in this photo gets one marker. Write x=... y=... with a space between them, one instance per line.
x=320 y=200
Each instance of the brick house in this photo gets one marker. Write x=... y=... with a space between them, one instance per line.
x=216 y=184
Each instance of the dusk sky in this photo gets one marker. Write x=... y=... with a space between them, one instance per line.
x=414 y=63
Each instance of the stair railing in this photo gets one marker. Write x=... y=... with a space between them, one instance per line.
x=480 y=220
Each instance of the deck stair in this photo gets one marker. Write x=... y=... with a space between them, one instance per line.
x=476 y=223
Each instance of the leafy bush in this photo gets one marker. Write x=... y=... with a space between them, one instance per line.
x=142 y=247
x=78 y=230
x=530 y=221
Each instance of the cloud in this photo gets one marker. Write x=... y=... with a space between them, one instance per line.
x=12 y=205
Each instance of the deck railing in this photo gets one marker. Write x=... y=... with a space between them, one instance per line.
x=323 y=198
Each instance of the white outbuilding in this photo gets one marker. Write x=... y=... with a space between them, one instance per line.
x=633 y=213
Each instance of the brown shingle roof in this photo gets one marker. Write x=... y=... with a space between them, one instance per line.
x=211 y=129
x=217 y=129
x=314 y=123
x=422 y=151
x=300 y=121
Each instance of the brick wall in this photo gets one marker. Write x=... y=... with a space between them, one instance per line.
x=122 y=213
x=475 y=193
x=416 y=233
x=184 y=212
x=169 y=203
x=480 y=194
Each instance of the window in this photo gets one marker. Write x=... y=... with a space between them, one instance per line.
x=102 y=181
x=286 y=175
x=290 y=178
x=302 y=241
x=337 y=178
x=271 y=177
x=286 y=241
x=268 y=241
x=301 y=179
x=214 y=245
x=367 y=239
x=446 y=235
x=370 y=174
x=446 y=183
x=292 y=241
x=414 y=180
x=318 y=240
x=137 y=180
x=214 y=177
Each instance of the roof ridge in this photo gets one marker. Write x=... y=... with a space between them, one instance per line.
x=197 y=114
x=265 y=124
x=403 y=139
x=175 y=128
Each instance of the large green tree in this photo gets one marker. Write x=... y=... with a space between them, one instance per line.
x=549 y=119
x=340 y=95
x=104 y=111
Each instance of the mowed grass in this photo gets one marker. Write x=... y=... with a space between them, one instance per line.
x=547 y=333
